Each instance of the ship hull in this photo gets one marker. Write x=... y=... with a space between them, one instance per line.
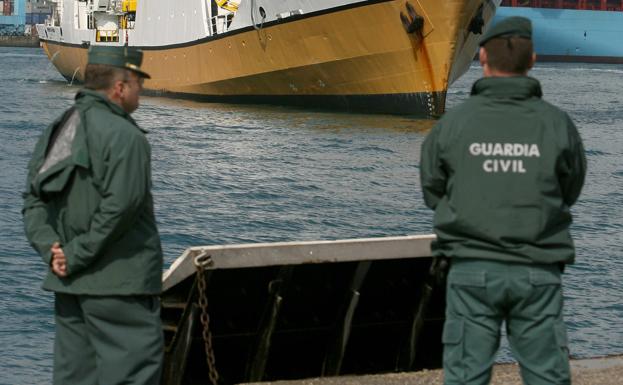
x=569 y=35
x=417 y=104
x=355 y=58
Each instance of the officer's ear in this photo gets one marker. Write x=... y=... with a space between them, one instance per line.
x=532 y=61
x=482 y=56
x=118 y=86
x=116 y=91
x=484 y=61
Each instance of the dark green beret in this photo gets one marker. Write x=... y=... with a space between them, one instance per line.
x=120 y=56
x=515 y=26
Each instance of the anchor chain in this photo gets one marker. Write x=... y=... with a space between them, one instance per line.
x=202 y=261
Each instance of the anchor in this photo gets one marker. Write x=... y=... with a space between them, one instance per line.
x=412 y=23
x=477 y=22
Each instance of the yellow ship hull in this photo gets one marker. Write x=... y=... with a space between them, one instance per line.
x=355 y=57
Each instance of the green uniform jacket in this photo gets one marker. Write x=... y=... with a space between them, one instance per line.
x=96 y=202
x=501 y=172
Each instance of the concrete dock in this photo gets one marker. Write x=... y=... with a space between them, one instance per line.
x=595 y=371
x=19 y=41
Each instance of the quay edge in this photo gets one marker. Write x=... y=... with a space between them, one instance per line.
x=590 y=371
x=19 y=41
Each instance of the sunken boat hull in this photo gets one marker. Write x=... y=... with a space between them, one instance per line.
x=299 y=310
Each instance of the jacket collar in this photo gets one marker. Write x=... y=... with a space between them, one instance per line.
x=54 y=178
x=88 y=97
x=515 y=87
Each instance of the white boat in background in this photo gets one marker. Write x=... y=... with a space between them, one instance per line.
x=387 y=56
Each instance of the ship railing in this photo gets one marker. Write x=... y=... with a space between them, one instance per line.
x=107 y=36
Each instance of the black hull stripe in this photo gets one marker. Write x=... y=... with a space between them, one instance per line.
x=580 y=59
x=290 y=19
x=415 y=104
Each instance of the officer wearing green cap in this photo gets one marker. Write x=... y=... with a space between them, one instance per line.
x=88 y=212
x=501 y=171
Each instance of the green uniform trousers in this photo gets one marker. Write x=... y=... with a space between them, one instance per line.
x=483 y=293
x=107 y=340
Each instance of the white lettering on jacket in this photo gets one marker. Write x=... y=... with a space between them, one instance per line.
x=508 y=150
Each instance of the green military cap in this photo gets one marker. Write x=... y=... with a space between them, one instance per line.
x=515 y=26
x=121 y=56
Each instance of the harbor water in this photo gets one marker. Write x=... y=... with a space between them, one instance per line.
x=228 y=174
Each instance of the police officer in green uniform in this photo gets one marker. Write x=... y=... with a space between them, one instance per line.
x=501 y=172
x=88 y=212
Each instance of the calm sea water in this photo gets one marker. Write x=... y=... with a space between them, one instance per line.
x=238 y=174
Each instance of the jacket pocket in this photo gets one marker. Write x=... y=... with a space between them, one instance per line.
x=454 y=350
x=546 y=293
x=467 y=293
x=472 y=279
x=540 y=278
x=452 y=332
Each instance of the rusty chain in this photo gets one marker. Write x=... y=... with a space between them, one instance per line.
x=201 y=261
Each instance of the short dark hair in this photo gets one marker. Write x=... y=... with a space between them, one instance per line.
x=103 y=77
x=509 y=54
